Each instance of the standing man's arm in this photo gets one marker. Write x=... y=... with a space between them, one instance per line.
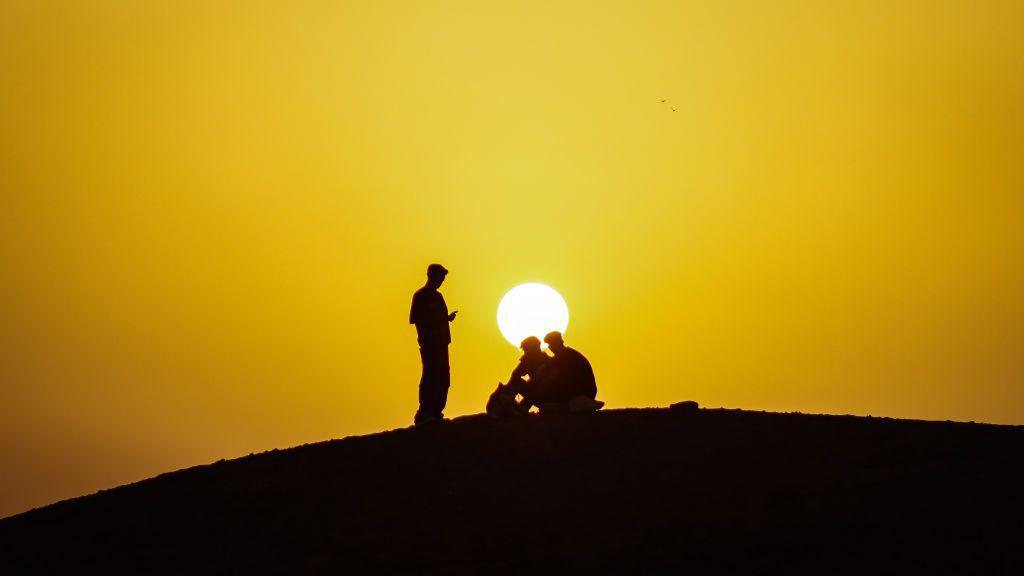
x=430 y=314
x=414 y=309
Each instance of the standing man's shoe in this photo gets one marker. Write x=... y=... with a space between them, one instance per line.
x=427 y=420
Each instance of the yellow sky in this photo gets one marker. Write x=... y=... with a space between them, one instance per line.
x=214 y=214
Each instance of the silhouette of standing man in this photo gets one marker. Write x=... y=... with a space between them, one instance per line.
x=430 y=315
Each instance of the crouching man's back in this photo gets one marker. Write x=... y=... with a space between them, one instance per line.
x=569 y=374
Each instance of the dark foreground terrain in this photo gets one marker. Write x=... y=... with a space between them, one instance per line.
x=623 y=491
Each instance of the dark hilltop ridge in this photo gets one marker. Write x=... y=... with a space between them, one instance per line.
x=636 y=491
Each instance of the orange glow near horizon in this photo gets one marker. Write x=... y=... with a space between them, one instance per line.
x=214 y=214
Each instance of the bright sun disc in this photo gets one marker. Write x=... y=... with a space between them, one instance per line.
x=531 y=310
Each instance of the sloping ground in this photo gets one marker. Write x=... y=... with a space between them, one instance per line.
x=623 y=491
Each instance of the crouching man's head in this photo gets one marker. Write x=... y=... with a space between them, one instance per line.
x=530 y=345
x=555 y=342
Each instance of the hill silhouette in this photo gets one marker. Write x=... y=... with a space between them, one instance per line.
x=622 y=491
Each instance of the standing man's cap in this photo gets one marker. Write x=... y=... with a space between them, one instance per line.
x=436 y=270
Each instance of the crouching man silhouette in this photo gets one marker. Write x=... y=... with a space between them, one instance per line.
x=523 y=381
x=567 y=383
x=430 y=315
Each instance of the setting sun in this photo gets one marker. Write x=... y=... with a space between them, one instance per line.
x=531 y=310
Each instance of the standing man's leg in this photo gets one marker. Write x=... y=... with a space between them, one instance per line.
x=433 y=383
x=444 y=381
x=426 y=392
x=422 y=388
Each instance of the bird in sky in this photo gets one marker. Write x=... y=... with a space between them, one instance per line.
x=673 y=108
x=663 y=101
